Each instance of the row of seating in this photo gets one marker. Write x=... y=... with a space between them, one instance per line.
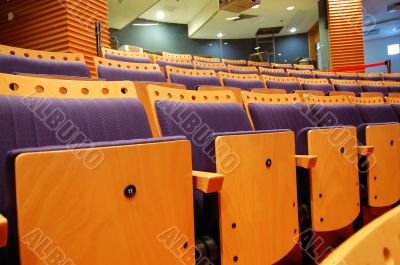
x=248 y=194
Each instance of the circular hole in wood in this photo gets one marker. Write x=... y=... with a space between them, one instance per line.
x=156 y=93
x=26 y=55
x=105 y=91
x=12 y=52
x=63 y=90
x=124 y=90
x=169 y=95
x=53 y=57
x=39 y=89
x=388 y=257
x=235 y=258
x=40 y=56
x=85 y=91
x=13 y=86
x=321 y=219
x=234 y=225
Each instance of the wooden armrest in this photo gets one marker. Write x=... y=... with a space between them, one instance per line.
x=306 y=161
x=365 y=150
x=3 y=231
x=207 y=182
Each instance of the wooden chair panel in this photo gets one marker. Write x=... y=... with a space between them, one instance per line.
x=370 y=83
x=271 y=70
x=393 y=100
x=282 y=65
x=372 y=95
x=228 y=61
x=124 y=53
x=377 y=243
x=252 y=97
x=93 y=207
x=258 y=64
x=306 y=93
x=241 y=68
x=258 y=203
x=126 y=65
x=206 y=59
x=327 y=100
x=299 y=71
x=44 y=55
x=316 y=81
x=156 y=58
x=342 y=93
x=335 y=199
x=266 y=78
x=24 y=86
x=367 y=100
x=184 y=71
x=383 y=170
x=323 y=73
x=208 y=64
x=390 y=74
x=235 y=90
x=343 y=82
x=178 y=56
x=346 y=74
x=304 y=66
x=269 y=91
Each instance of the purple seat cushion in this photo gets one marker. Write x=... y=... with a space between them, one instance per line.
x=288 y=86
x=193 y=81
x=275 y=74
x=17 y=64
x=300 y=75
x=120 y=74
x=351 y=77
x=243 y=84
x=377 y=113
x=235 y=71
x=379 y=89
x=198 y=121
x=348 y=88
x=126 y=58
x=180 y=65
x=293 y=117
x=326 y=88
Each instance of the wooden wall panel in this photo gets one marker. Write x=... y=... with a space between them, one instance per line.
x=346 y=33
x=54 y=25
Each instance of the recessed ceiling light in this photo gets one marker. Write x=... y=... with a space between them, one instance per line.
x=279 y=54
x=232 y=18
x=394 y=29
x=225 y=43
x=293 y=30
x=220 y=35
x=160 y=14
x=210 y=44
x=255 y=7
x=145 y=24
x=290 y=8
x=257 y=48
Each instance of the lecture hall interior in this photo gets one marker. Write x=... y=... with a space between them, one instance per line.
x=199 y=132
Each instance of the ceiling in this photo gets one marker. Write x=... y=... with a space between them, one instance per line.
x=378 y=22
x=271 y=13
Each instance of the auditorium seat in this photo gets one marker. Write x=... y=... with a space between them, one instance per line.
x=273 y=72
x=290 y=84
x=377 y=126
x=41 y=63
x=234 y=62
x=206 y=59
x=316 y=85
x=163 y=61
x=304 y=67
x=259 y=176
x=300 y=73
x=284 y=66
x=242 y=81
x=125 y=56
x=177 y=56
x=377 y=243
x=192 y=78
x=347 y=86
x=391 y=77
x=81 y=172
x=374 y=87
x=112 y=70
x=242 y=69
x=217 y=67
x=370 y=76
x=348 y=76
x=259 y=64
x=324 y=74
x=325 y=188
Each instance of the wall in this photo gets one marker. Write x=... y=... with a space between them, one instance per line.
x=174 y=38
x=376 y=51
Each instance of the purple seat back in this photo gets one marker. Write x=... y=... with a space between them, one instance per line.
x=216 y=69
x=180 y=65
x=119 y=74
x=326 y=88
x=336 y=115
x=372 y=78
x=198 y=121
x=279 y=74
x=288 y=86
x=243 y=84
x=379 y=113
x=126 y=58
x=301 y=75
x=395 y=89
x=329 y=77
x=350 y=77
x=193 y=81
x=392 y=78
x=236 y=64
x=17 y=64
x=396 y=108
x=348 y=88
x=236 y=71
x=379 y=89
x=65 y=122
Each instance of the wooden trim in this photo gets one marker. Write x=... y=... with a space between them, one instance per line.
x=391 y=83
x=314 y=81
x=252 y=97
x=347 y=74
x=269 y=91
x=370 y=83
x=292 y=71
x=365 y=150
x=205 y=59
x=177 y=56
x=124 y=53
x=323 y=73
x=156 y=58
x=209 y=65
x=306 y=161
x=235 y=90
x=258 y=64
x=342 y=93
x=306 y=93
x=3 y=231
x=191 y=72
x=228 y=61
x=271 y=70
x=282 y=65
x=23 y=86
x=344 y=82
x=42 y=55
x=232 y=67
x=304 y=67
x=291 y=79
x=372 y=95
x=393 y=100
x=367 y=100
x=207 y=182
x=126 y=65
x=327 y=100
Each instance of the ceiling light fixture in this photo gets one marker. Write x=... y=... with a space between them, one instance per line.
x=255 y=7
x=257 y=48
x=225 y=43
x=293 y=30
x=210 y=44
x=232 y=18
x=220 y=35
x=160 y=14
x=394 y=29
x=290 y=8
